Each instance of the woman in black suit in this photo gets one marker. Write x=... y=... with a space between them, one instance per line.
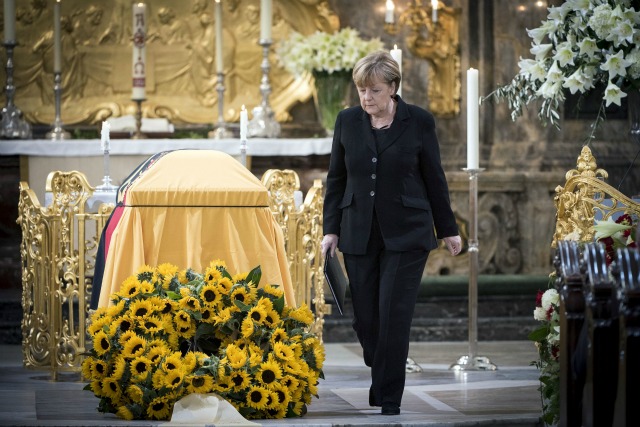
x=386 y=192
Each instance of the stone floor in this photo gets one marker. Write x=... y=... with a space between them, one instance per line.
x=437 y=396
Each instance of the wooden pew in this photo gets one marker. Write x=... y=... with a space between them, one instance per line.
x=572 y=305
x=601 y=317
x=627 y=273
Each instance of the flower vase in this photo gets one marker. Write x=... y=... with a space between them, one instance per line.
x=330 y=96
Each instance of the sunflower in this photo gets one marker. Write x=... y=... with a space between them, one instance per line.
x=189 y=361
x=87 y=364
x=173 y=362
x=223 y=316
x=96 y=387
x=147 y=288
x=124 y=412
x=99 y=324
x=182 y=277
x=135 y=393
x=257 y=397
x=159 y=408
x=240 y=277
x=237 y=358
x=207 y=315
x=257 y=314
x=240 y=293
x=122 y=324
x=299 y=408
x=247 y=328
x=278 y=335
x=199 y=383
x=140 y=367
x=134 y=347
x=144 y=273
x=292 y=367
x=272 y=318
x=225 y=284
x=173 y=379
x=290 y=382
x=182 y=319
x=189 y=303
x=101 y=343
x=269 y=373
x=212 y=275
x=272 y=290
x=223 y=385
x=282 y=397
x=157 y=379
x=141 y=308
x=240 y=379
x=161 y=305
x=166 y=272
x=111 y=388
x=210 y=295
x=152 y=325
x=283 y=351
x=302 y=314
x=119 y=368
x=129 y=288
x=187 y=331
x=218 y=264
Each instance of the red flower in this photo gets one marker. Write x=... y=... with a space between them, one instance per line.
x=549 y=312
x=555 y=352
x=539 y=298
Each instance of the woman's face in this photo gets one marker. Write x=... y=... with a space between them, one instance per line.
x=375 y=98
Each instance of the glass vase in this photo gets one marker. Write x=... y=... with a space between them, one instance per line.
x=331 y=95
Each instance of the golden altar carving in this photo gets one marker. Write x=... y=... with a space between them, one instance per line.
x=181 y=75
x=58 y=249
x=439 y=44
x=585 y=195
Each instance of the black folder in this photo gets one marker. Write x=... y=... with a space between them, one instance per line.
x=336 y=279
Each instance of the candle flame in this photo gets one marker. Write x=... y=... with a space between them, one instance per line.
x=243 y=107
x=390 y=5
x=217 y=1
x=434 y=4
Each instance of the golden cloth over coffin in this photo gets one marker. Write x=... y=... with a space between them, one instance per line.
x=189 y=208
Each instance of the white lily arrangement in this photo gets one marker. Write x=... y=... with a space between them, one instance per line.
x=324 y=52
x=582 y=44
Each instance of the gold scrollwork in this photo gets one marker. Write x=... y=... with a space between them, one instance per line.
x=302 y=228
x=585 y=195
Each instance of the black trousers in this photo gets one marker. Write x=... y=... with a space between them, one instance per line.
x=384 y=287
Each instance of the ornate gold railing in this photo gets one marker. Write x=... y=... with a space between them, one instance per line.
x=302 y=228
x=58 y=248
x=60 y=240
x=584 y=197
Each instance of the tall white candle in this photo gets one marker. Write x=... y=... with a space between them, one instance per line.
x=265 y=19
x=434 y=10
x=218 y=17
x=57 y=44
x=473 y=118
x=9 y=20
x=104 y=136
x=397 y=55
x=389 y=15
x=139 y=51
x=244 y=120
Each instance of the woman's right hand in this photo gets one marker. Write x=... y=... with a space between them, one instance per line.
x=329 y=243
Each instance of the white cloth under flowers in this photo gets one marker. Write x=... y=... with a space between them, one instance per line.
x=206 y=409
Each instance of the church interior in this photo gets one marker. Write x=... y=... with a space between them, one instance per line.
x=98 y=93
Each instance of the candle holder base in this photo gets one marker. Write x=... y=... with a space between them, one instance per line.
x=138 y=132
x=263 y=123
x=473 y=363
x=220 y=132
x=107 y=185
x=13 y=126
x=58 y=134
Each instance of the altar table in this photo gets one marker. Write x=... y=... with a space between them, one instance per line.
x=39 y=157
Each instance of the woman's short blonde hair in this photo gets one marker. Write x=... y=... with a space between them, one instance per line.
x=376 y=67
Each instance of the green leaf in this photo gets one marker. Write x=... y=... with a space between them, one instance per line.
x=539 y=334
x=254 y=276
x=278 y=304
x=174 y=295
x=242 y=306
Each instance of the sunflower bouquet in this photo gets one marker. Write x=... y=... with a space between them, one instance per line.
x=173 y=332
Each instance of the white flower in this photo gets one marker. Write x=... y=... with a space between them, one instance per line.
x=616 y=65
x=564 y=55
x=533 y=69
x=324 y=52
x=573 y=236
x=613 y=94
x=549 y=297
x=540 y=314
x=588 y=47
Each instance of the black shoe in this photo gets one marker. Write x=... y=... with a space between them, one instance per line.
x=372 y=401
x=390 y=409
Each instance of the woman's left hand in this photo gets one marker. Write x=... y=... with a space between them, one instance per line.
x=454 y=244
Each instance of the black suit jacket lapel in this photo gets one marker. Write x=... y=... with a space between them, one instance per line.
x=367 y=133
x=398 y=126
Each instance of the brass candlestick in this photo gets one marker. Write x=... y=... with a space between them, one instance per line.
x=13 y=126
x=263 y=123
x=220 y=131
x=471 y=361
x=138 y=133
x=57 y=133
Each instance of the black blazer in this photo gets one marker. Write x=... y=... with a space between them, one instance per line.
x=403 y=181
